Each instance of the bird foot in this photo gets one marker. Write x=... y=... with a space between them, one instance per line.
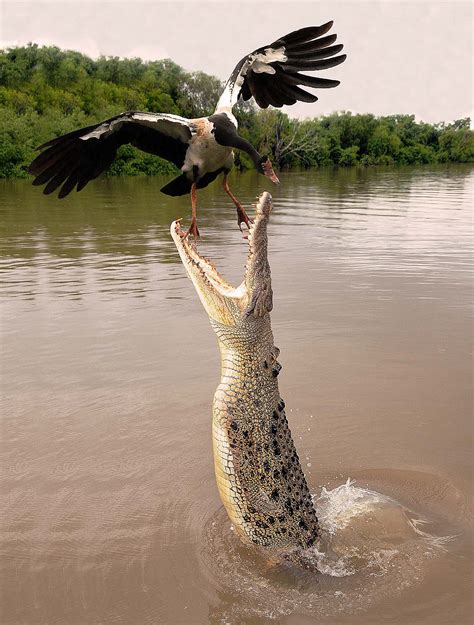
x=243 y=220
x=193 y=229
x=245 y=233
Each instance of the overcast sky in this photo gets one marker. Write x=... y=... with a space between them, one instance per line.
x=403 y=57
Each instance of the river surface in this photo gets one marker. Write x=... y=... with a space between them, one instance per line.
x=109 y=365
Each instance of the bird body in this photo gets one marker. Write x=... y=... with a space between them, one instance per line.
x=202 y=148
x=204 y=151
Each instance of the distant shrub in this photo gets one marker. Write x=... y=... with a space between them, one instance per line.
x=46 y=92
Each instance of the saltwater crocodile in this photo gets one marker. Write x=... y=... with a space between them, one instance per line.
x=258 y=472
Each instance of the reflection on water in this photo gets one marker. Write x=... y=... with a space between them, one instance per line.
x=108 y=370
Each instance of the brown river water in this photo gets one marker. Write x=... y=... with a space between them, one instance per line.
x=109 y=365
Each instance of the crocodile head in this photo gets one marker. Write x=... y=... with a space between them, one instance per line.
x=224 y=303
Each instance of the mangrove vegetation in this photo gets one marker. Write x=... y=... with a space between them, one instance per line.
x=46 y=92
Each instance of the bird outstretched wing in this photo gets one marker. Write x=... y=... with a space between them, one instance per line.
x=271 y=74
x=78 y=157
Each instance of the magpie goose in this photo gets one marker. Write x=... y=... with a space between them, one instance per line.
x=202 y=148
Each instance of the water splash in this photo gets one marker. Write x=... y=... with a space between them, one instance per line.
x=435 y=541
x=363 y=532
x=337 y=507
x=372 y=548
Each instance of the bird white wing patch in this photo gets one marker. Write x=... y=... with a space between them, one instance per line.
x=101 y=131
x=260 y=67
x=261 y=61
x=271 y=74
x=172 y=125
x=258 y=62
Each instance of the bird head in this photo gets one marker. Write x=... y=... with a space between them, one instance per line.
x=267 y=170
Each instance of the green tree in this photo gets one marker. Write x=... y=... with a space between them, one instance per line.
x=46 y=92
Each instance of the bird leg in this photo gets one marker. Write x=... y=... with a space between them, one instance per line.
x=241 y=214
x=193 y=229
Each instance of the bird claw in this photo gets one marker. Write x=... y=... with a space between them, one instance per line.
x=193 y=229
x=245 y=235
x=242 y=217
x=243 y=220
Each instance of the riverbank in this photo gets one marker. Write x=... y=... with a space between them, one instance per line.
x=46 y=92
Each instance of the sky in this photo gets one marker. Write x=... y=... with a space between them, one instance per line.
x=403 y=57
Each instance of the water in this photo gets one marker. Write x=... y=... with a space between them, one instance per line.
x=111 y=513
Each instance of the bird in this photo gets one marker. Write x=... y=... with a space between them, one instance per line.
x=201 y=148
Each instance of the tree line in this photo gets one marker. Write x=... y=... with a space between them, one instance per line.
x=46 y=92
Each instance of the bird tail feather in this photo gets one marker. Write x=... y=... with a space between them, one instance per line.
x=178 y=186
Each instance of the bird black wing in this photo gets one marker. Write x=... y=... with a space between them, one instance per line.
x=78 y=157
x=271 y=74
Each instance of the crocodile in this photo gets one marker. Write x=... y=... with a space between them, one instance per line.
x=259 y=476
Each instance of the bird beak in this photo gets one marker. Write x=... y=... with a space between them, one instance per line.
x=269 y=173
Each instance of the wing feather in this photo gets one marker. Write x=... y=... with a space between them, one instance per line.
x=324 y=53
x=271 y=73
x=48 y=158
x=57 y=180
x=80 y=156
x=311 y=46
x=245 y=91
x=70 y=183
x=275 y=96
x=294 y=78
x=295 y=66
x=304 y=34
x=71 y=135
x=297 y=93
x=278 y=95
x=258 y=91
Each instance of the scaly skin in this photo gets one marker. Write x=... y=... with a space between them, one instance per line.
x=259 y=476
